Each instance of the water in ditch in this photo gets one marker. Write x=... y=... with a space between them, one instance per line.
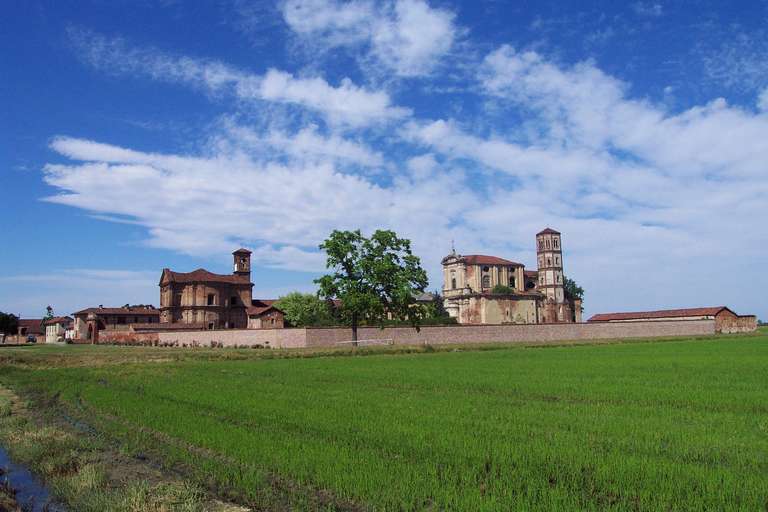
x=31 y=494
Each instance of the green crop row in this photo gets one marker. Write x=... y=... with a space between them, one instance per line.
x=652 y=426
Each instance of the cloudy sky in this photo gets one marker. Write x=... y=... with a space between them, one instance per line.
x=141 y=135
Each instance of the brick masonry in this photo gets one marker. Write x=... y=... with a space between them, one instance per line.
x=433 y=335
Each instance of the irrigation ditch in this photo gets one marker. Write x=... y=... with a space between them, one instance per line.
x=21 y=490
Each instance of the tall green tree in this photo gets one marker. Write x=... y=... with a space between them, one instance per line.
x=305 y=310
x=9 y=323
x=372 y=277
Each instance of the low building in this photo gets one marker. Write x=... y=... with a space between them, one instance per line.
x=88 y=322
x=30 y=329
x=59 y=329
x=263 y=314
x=726 y=321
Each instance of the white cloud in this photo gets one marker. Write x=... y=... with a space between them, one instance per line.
x=407 y=36
x=307 y=145
x=762 y=100
x=206 y=205
x=582 y=106
x=346 y=103
x=649 y=9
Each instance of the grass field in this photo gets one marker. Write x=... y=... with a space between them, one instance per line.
x=647 y=426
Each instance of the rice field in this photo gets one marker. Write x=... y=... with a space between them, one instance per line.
x=673 y=425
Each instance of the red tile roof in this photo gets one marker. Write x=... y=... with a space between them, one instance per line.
x=260 y=310
x=548 y=231
x=59 y=320
x=481 y=259
x=666 y=313
x=33 y=325
x=201 y=275
x=531 y=273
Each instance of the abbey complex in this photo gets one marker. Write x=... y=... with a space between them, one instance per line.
x=481 y=289
x=478 y=290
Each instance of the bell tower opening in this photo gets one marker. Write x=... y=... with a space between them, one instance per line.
x=242 y=262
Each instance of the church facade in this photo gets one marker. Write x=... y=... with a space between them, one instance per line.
x=471 y=287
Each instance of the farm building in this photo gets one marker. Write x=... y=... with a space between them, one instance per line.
x=59 y=329
x=726 y=321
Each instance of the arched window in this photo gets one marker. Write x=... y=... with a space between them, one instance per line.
x=453 y=279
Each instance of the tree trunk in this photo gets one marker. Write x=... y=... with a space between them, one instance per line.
x=354 y=329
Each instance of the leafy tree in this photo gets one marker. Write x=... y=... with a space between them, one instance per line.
x=9 y=323
x=501 y=289
x=437 y=308
x=372 y=277
x=573 y=291
x=305 y=310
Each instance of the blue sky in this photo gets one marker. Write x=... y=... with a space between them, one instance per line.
x=141 y=135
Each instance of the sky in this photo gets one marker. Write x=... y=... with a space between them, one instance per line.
x=138 y=135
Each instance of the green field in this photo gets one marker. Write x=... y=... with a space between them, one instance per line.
x=638 y=426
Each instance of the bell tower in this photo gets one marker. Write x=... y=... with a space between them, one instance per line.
x=242 y=259
x=549 y=254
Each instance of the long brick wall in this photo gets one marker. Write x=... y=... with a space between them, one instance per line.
x=436 y=335
x=433 y=335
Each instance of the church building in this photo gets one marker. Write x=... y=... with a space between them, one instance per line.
x=215 y=301
x=529 y=297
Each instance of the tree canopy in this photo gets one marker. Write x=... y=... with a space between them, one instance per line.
x=9 y=323
x=305 y=310
x=573 y=291
x=372 y=277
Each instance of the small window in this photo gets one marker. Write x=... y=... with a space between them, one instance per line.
x=233 y=301
x=211 y=299
x=511 y=281
x=557 y=260
x=486 y=281
x=486 y=269
x=547 y=243
x=556 y=243
x=210 y=326
x=549 y=262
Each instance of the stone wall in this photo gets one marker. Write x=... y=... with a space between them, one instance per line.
x=433 y=335
x=269 y=338
x=467 y=334
x=732 y=324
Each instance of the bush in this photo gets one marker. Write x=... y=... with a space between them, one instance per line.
x=501 y=289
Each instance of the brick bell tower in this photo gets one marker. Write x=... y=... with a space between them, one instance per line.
x=549 y=254
x=242 y=259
